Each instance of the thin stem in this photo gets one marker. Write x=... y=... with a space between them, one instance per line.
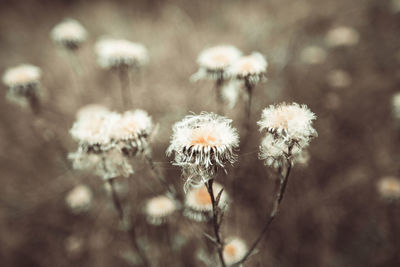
x=218 y=87
x=131 y=230
x=124 y=82
x=158 y=175
x=215 y=221
x=249 y=88
x=278 y=199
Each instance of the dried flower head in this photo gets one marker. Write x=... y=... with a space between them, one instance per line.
x=79 y=198
x=119 y=53
x=214 y=61
x=201 y=144
x=69 y=34
x=230 y=92
x=198 y=204
x=234 y=250
x=389 y=188
x=132 y=131
x=342 y=36
x=289 y=130
x=251 y=68
x=159 y=208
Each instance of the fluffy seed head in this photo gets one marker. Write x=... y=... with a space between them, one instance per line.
x=290 y=121
x=201 y=144
x=234 y=251
x=79 y=198
x=117 y=53
x=132 y=131
x=198 y=204
x=389 y=188
x=252 y=68
x=69 y=34
x=91 y=111
x=214 y=61
x=22 y=76
x=342 y=36
x=158 y=209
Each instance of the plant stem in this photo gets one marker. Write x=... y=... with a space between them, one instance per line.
x=123 y=76
x=131 y=230
x=278 y=199
x=215 y=221
x=249 y=89
x=218 y=86
x=158 y=175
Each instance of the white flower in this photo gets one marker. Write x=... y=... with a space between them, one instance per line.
x=79 y=198
x=115 y=53
x=292 y=122
x=313 y=55
x=214 y=61
x=251 y=68
x=159 y=208
x=24 y=75
x=234 y=251
x=132 y=131
x=202 y=144
x=198 y=204
x=69 y=33
x=91 y=111
x=342 y=36
x=389 y=188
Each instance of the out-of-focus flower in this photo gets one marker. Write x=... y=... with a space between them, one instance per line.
x=79 y=198
x=338 y=78
x=313 y=55
x=289 y=130
x=132 y=131
x=342 y=36
x=159 y=208
x=201 y=144
x=389 y=188
x=91 y=111
x=234 y=250
x=213 y=62
x=74 y=244
x=69 y=34
x=23 y=82
x=198 y=204
x=119 y=53
x=250 y=68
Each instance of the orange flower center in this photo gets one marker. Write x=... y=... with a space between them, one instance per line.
x=202 y=197
x=220 y=58
x=203 y=137
x=230 y=250
x=247 y=66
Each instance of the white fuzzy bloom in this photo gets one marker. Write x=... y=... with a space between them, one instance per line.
x=313 y=55
x=91 y=111
x=132 y=131
x=24 y=75
x=251 y=68
x=214 y=61
x=116 y=53
x=389 y=188
x=234 y=250
x=159 y=208
x=292 y=122
x=342 y=36
x=69 y=34
x=198 y=204
x=201 y=144
x=79 y=198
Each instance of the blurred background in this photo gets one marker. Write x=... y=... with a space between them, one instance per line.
x=332 y=214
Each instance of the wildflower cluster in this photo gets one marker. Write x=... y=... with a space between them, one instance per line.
x=107 y=139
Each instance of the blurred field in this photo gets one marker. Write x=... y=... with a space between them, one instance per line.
x=332 y=214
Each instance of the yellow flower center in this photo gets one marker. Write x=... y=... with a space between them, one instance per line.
x=230 y=250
